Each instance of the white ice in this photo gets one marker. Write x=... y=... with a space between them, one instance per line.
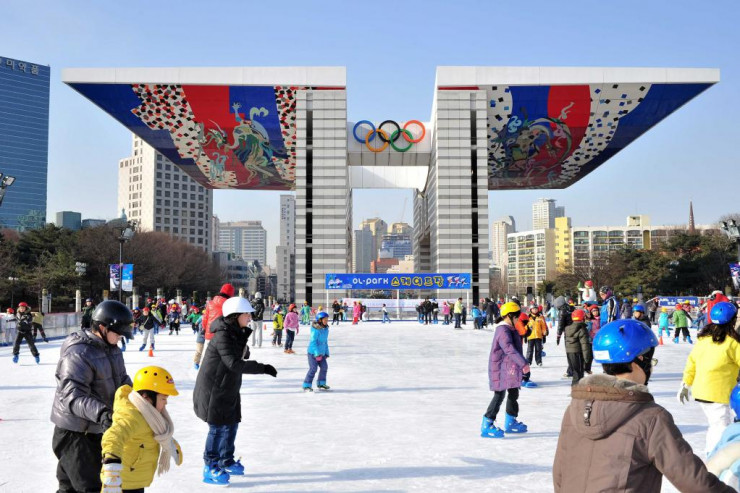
x=403 y=415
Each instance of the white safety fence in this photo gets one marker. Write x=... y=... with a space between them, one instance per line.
x=55 y=325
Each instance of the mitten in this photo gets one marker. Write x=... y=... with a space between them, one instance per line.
x=270 y=370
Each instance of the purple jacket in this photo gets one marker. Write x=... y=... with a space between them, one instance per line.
x=506 y=360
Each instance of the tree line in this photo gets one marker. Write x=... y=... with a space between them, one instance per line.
x=45 y=258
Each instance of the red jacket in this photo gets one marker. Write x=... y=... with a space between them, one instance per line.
x=711 y=303
x=212 y=312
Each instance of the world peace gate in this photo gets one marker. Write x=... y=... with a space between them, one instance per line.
x=491 y=128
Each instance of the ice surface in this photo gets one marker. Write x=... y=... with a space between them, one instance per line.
x=403 y=415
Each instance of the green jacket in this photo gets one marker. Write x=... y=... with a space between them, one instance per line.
x=680 y=319
x=576 y=340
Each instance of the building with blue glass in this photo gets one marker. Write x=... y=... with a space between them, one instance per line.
x=24 y=142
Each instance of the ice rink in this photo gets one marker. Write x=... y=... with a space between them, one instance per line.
x=404 y=414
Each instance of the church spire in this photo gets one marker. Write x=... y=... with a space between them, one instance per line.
x=692 y=228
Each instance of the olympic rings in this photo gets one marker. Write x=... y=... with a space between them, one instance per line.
x=394 y=135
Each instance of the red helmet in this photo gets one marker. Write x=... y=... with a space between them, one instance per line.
x=578 y=315
x=145 y=309
x=10 y=310
x=678 y=306
x=291 y=306
x=23 y=303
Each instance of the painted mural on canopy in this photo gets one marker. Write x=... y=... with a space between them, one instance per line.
x=552 y=136
x=240 y=137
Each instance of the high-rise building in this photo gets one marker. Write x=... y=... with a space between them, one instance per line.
x=592 y=242
x=563 y=245
x=401 y=229
x=24 y=146
x=395 y=246
x=531 y=260
x=544 y=214
x=245 y=239
x=159 y=196
x=500 y=229
x=215 y=224
x=559 y=211
x=378 y=228
x=285 y=251
x=69 y=220
x=363 y=246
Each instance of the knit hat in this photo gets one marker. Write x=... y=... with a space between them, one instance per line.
x=227 y=289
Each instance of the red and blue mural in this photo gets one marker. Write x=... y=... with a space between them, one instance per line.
x=552 y=136
x=240 y=137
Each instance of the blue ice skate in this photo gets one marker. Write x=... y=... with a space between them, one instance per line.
x=215 y=475
x=38 y=360
x=529 y=385
x=15 y=358
x=690 y=341
x=511 y=425
x=675 y=340
x=142 y=347
x=196 y=366
x=544 y=354
x=489 y=430
x=235 y=469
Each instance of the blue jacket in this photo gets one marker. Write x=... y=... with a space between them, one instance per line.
x=318 y=345
x=476 y=312
x=609 y=310
x=663 y=321
x=724 y=460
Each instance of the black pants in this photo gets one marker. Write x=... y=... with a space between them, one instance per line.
x=335 y=318
x=457 y=320
x=28 y=336
x=289 y=337
x=675 y=335
x=534 y=346
x=80 y=456
x=176 y=327
x=36 y=329
x=512 y=406
x=575 y=361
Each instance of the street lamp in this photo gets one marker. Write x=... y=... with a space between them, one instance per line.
x=12 y=280
x=733 y=232
x=126 y=233
x=5 y=182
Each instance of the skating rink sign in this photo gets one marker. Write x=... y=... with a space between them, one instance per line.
x=398 y=281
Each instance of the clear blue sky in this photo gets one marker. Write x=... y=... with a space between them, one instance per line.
x=391 y=50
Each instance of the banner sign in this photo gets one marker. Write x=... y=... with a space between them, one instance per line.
x=397 y=281
x=391 y=304
x=672 y=301
x=121 y=273
x=735 y=274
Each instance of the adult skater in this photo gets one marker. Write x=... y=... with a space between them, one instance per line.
x=140 y=442
x=457 y=311
x=318 y=352
x=506 y=368
x=259 y=313
x=38 y=326
x=87 y=311
x=564 y=319
x=615 y=427
x=336 y=309
x=25 y=331
x=146 y=323
x=89 y=372
x=712 y=368
x=609 y=306
x=10 y=326
x=216 y=397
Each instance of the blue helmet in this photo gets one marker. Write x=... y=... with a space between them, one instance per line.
x=321 y=315
x=622 y=341
x=722 y=312
x=638 y=308
x=735 y=400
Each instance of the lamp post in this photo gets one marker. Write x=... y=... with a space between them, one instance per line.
x=5 y=182
x=12 y=280
x=126 y=233
x=732 y=231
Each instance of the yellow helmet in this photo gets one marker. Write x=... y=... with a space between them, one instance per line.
x=156 y=379
x=509 y=307
x=664 y=309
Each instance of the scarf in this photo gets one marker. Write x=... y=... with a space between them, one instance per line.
x=161 y=425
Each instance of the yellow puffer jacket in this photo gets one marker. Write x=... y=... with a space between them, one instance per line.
x=538 y=326
x=712 y=369
x=131 y=440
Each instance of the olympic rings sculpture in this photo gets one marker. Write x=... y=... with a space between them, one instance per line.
x=389 y=139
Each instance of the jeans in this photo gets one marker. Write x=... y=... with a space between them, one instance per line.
x=512 y=406
x=220 y=445
x=386 y=318
x=447 y=319
x=313 y=365
x=278 y=337
x=289 y=338
x=458 y=316
x=427 y=318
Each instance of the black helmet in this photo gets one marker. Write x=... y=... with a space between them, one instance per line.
x=115 y=316
x=605 y=290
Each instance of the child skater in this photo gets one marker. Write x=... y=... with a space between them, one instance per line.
x=277 y=328
x=663 y=324
x=291 y=324
x=724 y=460
x=140 y=443
x=506 y=367
x=712 y=368
x=147 y=324
x=173 y=320
x=318 y=352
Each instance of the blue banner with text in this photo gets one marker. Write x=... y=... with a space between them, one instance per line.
x=398 y=281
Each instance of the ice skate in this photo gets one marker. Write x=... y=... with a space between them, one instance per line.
x=675 y=340
x=196 y=366
x=511 y=425
x=307 y=389
x=489 y=430
x=235 y=469
x=690 y=341
x=15 y=358
x=38 y=360
x=142 y=347
x=544 y=354
x=323 y=386
x=215 y=475
x=529 y=385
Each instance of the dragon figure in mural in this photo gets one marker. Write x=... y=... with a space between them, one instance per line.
x=250 y=145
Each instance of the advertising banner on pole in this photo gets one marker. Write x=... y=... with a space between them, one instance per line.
x=115 y=276
x=398 y=281
x=127 y=277
x=735 y=273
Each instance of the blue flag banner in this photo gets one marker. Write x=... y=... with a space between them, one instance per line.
x=676 y=300
x=127 y=276
x=398 y=281
x=115 y=276
x=735 y=274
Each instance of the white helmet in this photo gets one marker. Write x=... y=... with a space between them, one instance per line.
x=257 y=295
x=236 y=305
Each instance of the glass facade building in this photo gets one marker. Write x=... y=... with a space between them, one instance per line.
x=24 y=142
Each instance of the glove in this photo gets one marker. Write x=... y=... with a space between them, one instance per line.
x=110 y=476
x=270 y=370
x=106 y=420
x=557 y=341
x=178 y=452
x=684 y=393
x=319 y=358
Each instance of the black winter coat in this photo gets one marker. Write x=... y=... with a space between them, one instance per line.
x=259 y=309
x=216 y=398
x=564 y=319
x=25 y=321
